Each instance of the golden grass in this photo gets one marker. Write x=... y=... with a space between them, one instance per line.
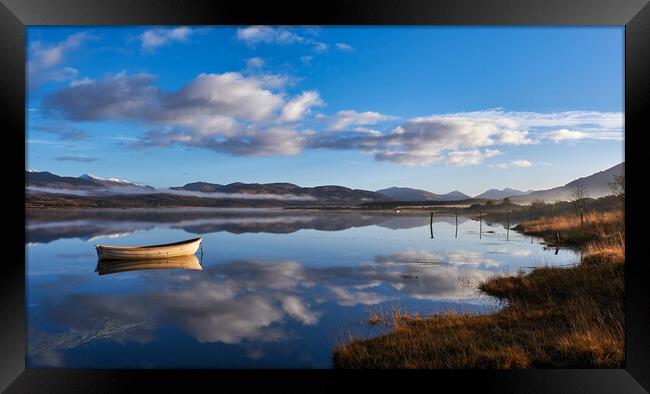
x=572 y=231
x=555 y=317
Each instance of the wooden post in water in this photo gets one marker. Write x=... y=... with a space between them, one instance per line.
x=456 y=211
x=530 y=217
x=508 y=224
x=431 y=225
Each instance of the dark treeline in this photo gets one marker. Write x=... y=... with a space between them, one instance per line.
x=438 y=205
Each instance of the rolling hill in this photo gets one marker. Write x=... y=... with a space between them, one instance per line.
x=496 y=194
x=269 y=190
x=597 y=185
x=410 y=194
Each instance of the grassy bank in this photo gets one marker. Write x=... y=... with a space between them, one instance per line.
x=555 y=317
x=572 y=230
x=514 y=213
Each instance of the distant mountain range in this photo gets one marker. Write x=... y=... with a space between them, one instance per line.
x=239 y=187
x=409 y=194
x=597 y=185
x=282 y=191
x=112 y=182
x=47 y=189
x=89 y=190
x=496 y=194
x=89 y=183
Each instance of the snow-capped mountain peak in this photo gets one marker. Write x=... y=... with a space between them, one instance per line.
x=92 y=177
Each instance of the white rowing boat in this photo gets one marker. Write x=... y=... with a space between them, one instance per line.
x=190 y=262
x=183 y=248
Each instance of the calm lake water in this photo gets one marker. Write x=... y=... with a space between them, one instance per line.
x=277 y=289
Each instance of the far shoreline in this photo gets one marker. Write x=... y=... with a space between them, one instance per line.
x=258 y=209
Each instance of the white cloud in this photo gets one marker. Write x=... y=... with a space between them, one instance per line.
x=564 y=134
x=560 y=126
x=255 y=301
x=490 y=129
x=223 y=112
x=248 y=142
x=439 y=278
x=423 y=141
x=306 y=59
x=409 y=158
x=266 y=142
x=611 y=120
x=274 y=81
x=254 y=35
x=156 y=38
x=461 y=257
x=586 y=133
x=520 y=253
x=82 y=81
x=409 y=257
x=470 y=157
x=297 y=309
x=299 y=106
x=520 y=163
x=427 y=140
x=320 y=46
x=341 y=46
x=250 y=115
x=345 y=119
x=45 y=61
x=229 y=94
x=210 y=102
x=349 y=297
x=514 y=137
x=52 y=55
x=255 y=62
x=118 y=96
x=367 y=131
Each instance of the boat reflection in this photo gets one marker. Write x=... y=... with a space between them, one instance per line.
x=190 y=262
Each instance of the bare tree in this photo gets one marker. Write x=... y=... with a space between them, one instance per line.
x=617 y=186
x=580 y=193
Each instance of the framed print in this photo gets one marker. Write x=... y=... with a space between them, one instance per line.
x=319 y=193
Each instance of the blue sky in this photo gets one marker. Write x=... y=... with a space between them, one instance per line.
x=438 y=108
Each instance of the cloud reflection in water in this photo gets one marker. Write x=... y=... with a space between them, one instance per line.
x=250 y=300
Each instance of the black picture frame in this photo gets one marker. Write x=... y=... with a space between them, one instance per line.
x=15 y=15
